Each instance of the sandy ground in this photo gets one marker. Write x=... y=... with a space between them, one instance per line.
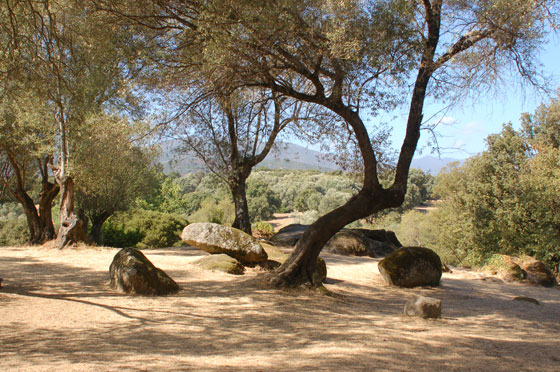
x=280 y=220
x=57 y=313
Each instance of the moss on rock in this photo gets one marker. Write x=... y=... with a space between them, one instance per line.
x=221 y=262
x=411 y=267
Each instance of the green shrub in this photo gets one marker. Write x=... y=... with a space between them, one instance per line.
x=143 y=229
x=221 y=212
x=14 y=232
x=262 y=230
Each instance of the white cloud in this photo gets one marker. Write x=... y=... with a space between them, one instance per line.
x=448 y=120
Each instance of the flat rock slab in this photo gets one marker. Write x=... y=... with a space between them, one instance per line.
x=131 y=272
x=346 y=242
x=221 y=262
x=215 y=239
x=527 y=299
x=423 y=307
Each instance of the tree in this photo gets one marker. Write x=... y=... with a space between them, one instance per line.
x=72 y=59
x=26 y=128
x=231 y=135
x=111 y=170
x=350 y=58
x=505 y=200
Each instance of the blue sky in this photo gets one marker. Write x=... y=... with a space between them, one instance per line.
x=462 y=130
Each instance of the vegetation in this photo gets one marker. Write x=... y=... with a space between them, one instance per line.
x=227 y=78
x=502 y=201
x=143 y=229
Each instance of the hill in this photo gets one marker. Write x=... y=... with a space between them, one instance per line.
x=287 y=156
x=284 y=156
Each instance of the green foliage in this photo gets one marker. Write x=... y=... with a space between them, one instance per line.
x=505 y=200
x=11 y=211
x=143 y=229
x=111 y=170
x=263 y=203
x=13 y=232
x=215 y=211
x=262 y=229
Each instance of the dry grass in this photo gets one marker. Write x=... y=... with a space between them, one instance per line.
x=57 y=313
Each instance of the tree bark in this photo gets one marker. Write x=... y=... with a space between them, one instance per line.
x=238 y=191
x=97 y=222
x=71 y=226
x=299 y=267
x=372 y=197
x=49 y=191
x=33 y=221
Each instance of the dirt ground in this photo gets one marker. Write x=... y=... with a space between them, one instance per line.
x=281 y=220
x=57 y=313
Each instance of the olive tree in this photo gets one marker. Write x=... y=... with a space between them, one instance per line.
x=78 y=67
x=354 y=58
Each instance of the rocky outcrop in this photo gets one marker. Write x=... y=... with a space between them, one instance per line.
x=527 y=270
x=289 y=235
x=132 y=272
x=538 y=273
x=423 y=307
x=411 y=267
x=363 y=242
x=214 y=238
x=221 y=262
x=348 y=242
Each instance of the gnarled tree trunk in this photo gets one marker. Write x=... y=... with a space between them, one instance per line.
x=49 y=191
x=97 y=222
x=71 y=226
x=33 y=221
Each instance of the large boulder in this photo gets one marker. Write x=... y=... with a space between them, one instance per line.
x=289 y=235
x=221 y=262
x=348 y=242
x=538 y=273
x=363 y=242
x=214 y=238
x=132 y=272
x=526 y=270
x=411 y=267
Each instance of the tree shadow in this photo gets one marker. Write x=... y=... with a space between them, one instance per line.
x=235 y=323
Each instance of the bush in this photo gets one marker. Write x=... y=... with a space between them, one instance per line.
x=143 y=229
x=14 y=232
x=262 y=230
x=221 y=212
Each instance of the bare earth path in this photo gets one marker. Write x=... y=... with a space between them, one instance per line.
x=57 y=313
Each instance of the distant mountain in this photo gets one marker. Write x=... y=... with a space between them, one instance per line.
x=284 y=156
x=294 y=157
x=432 y=164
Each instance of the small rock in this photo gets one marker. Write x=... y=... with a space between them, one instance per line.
x=423 y=307
x=527 y=299
x=514 y=273
x=1 y=282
